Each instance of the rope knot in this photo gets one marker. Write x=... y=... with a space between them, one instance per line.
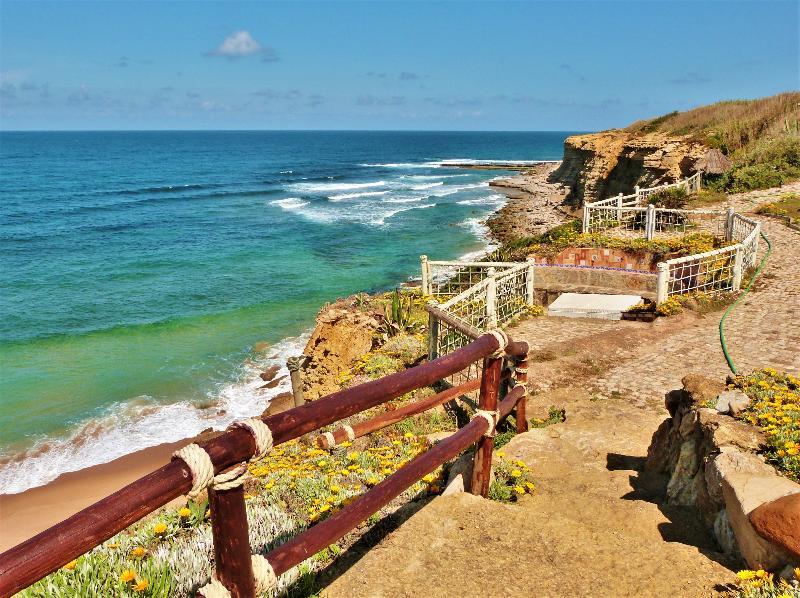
x=491 y=418
x=231 y=479
x=199 y=464
x=502 y=340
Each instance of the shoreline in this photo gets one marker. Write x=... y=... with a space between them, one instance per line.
x=27 y=513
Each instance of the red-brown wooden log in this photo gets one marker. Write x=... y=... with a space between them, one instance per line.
x=234 y=566
x=490 y=389
x=521 y=411
x=327 y=532
x=34 y=558
x=391 y=417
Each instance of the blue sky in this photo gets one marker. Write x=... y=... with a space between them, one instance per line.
x=385 y=65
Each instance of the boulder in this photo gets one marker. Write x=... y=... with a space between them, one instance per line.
x=701 y=389
x=743 y=493
x=732 y=402
x=682 y=487
x=779 y=522
x=731 y=460
x=270 y=373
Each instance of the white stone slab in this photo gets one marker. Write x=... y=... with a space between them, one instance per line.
x=592 y=305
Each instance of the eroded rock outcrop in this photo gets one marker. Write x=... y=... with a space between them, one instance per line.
x=341 y=336
x=713 y=466
x=599 y=165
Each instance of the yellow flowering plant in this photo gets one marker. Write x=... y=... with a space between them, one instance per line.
x=775 y=408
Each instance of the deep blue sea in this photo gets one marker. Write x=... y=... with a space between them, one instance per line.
x=140 y=269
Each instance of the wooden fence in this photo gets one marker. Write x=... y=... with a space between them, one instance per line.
x=240 y=574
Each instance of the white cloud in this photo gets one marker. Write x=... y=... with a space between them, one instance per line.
x=242 y=43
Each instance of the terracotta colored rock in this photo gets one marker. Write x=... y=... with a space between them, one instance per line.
x=779 y=521
x=270 y=373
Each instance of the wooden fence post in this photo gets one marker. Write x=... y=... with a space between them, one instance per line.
x=491 y=300
x=424 y=266
x=234 y=566
x=490 y=389
x=433 y=333
x=521 y=374
x=293 y=364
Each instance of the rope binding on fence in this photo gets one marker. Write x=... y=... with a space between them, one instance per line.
x=722 y=340
x=231 y=479
x=202 y=468
x=491 y=418
x=502 y=340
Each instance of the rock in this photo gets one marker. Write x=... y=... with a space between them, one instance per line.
x=729 y=461
x=682 y=486
x=688 y=424
x=723 y=534
x=273 y=383
x=702 y=389
x=779 y=522
x=732 y=402
x=722 y=430
x=461 y=468
x=662 y=449
x=743 y=493
x=270 y=373
x=279 y=404
x=340 y=337
x=603 y=164
x=260 y=347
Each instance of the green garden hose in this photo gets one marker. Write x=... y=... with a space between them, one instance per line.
x=727 y=355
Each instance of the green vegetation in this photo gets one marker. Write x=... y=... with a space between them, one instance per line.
x=567 y=235
x=512 y=479
x=762 y=138
x=674 y=198
x=787 y=206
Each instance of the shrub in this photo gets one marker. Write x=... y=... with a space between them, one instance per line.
x=674 y=198
x=405 y=347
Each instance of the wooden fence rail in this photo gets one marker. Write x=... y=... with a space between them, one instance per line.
x=35 y=558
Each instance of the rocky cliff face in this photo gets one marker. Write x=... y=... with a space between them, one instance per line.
x=599 y=165
x=341 y=336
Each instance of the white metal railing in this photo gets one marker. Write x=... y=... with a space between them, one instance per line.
x=632 y=212
x=500 y=291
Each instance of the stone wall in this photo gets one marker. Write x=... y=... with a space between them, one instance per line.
x=554 y=280
x=713 y=465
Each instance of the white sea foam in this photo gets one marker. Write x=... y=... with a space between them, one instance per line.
x=471 y=161
x=328 y=187
x=427 y=186
x=143 y=423
x=432 y=177
x=404 y=165
x=406 y=199
x=344 y=196
x=290 y=203
x=385 y=216
x=451 y=189
x=495 y=201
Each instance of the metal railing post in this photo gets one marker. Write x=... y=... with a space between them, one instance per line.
x=737 y=268
x=490 y=389
x=491 y=299
x=425 y=267
x=650 y=222
x=619 y=209
x=585 y=228
x=530 y=296
x=729 y=220
x=661 y=285
x=234 y=566
x=636 y=192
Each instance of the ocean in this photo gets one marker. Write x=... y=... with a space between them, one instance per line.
x=143 y=272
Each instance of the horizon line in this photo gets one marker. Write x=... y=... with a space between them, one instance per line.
x=296 y=130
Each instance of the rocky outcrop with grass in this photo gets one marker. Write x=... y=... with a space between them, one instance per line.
x=761 y=138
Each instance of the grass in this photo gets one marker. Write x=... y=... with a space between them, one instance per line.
x=761 y=137
x=775 y=408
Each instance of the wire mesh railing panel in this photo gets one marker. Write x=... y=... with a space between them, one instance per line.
x=470 y=307
x=711 y=273
x=669 y=222
x=449 y=339
x=449 y=279
x=512 y=297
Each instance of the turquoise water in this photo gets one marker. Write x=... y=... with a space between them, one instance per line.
x=140 y=268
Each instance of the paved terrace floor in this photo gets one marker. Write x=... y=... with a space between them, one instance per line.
x=595 y=526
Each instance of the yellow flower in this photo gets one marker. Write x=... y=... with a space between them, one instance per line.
x=160 y=528
x=138 y=552
x=184 y=513
x=335 y=489
x=141 y=585
x=71 y=565
x=346 y=444
x=127 y=576
x=501 y=454
x=429 y=478
x=408 y=435
x=516 y=473
x=797 y=573
x=746 y=575
x=519 y=489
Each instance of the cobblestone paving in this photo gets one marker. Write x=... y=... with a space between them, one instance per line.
x=763 y=330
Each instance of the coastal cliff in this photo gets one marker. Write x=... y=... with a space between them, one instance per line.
x=602 y=164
